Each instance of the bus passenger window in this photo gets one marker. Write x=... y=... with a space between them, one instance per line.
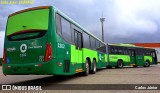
x=66 y=31
x=86 y=41
x=58 y=24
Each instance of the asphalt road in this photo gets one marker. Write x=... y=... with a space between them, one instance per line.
x=126 y=75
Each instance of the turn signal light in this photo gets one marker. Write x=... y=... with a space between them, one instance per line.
x=4 y=56
x=48 y=54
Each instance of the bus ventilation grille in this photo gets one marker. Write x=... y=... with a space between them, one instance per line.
x=66 y=66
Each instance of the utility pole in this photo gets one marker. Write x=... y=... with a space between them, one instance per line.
x=102 y=21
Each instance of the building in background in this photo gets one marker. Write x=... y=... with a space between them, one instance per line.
x=151 y=45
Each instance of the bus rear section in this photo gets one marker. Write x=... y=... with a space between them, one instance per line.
x=27 y=49
x=129 y=55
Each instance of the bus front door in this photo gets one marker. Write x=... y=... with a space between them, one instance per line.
x=154 y=56
x=78 y=43
x=132 y=57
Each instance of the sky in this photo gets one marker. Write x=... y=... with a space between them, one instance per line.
x=126 y=21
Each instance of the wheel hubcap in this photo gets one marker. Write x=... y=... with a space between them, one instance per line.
x=87 y=68
x=147 y=63
x=94 y=69
x=120 y=64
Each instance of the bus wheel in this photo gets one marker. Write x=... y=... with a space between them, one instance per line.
x=135 y=66
x=86 y=73
x=147 y=64
x=93 y=71
x=109 y=67
x=120 y=64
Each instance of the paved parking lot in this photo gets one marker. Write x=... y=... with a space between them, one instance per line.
x=127 y=75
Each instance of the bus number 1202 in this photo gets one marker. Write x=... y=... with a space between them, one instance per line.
x=61 y=45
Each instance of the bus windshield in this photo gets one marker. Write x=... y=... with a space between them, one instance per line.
x=28 y=25
x=27 y=34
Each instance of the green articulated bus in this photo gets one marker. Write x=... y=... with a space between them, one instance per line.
x=43 y=40
x=129 y=55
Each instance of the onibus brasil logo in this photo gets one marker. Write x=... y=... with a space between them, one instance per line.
x=15 y=87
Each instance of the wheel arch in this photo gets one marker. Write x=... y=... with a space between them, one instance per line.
x=120 y=60
x=147 y=60
x=94 y=59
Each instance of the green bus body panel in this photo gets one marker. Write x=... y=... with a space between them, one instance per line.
x=148 y=58
x=89 y=53
x=73 y=54
x=35 y=50
x=76 y=55
x=34 y=19
x=115 y=58
x=128 y=60
x=132 y=60
x=100 y=57
x=20 y=69
x=102 y=60
x=27 y=62
x=140 y=60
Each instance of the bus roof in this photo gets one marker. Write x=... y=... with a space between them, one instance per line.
x=149 y=48
x=127 y=45
x=131 y=45
x=29 y=9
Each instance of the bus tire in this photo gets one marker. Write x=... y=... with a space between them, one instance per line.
x=109 y=67
x=120 y=64
x=87 y=67
x=135 y=66
x=147 y=64
x=93 y=71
